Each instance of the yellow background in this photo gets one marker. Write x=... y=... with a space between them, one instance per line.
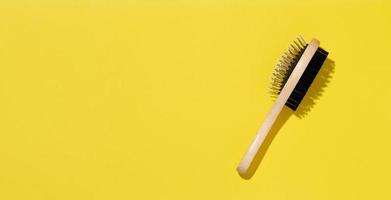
x=160 y=99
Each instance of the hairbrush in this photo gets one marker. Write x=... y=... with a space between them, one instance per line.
x=291 y=80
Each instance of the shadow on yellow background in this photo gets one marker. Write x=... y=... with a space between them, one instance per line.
x=313 y=95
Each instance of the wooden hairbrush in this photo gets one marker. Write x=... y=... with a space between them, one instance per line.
x=293 y=76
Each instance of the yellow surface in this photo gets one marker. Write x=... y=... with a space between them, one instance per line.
x=160 y=99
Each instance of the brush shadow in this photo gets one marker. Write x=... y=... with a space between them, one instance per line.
x=315 y=91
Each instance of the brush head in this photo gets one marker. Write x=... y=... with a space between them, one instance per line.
x=285 y=67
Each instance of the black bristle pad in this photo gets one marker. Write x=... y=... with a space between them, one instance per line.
x=306 y=79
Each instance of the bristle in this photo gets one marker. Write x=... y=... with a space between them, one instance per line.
x=298 y=45
x=306 y=79
x=285 y=67
x=301 y=40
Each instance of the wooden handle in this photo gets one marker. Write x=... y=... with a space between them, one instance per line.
x=297 y=72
